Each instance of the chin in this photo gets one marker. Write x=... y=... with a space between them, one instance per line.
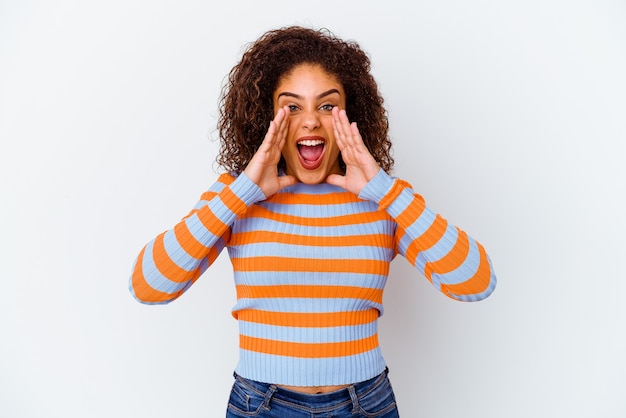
x=311 y=178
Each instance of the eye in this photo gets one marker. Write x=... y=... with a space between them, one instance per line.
x=327 y=107
x=293 y=108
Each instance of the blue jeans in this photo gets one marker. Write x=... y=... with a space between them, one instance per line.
x=372 y=398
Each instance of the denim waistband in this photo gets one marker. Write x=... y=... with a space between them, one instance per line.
x=345 y=394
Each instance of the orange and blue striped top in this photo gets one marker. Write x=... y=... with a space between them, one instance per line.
x=310 y=264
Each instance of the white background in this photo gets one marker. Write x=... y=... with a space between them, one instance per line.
x=508 y=117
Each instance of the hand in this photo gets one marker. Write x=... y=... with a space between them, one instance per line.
x=361 y=167
x=263 y=167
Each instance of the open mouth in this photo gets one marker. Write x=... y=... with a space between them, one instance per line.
x=311 y=151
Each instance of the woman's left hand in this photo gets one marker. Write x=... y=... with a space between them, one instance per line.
x=361 y=167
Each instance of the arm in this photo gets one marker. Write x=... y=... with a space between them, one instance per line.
x=452 y=261
x=173 y=261
x=169 y=264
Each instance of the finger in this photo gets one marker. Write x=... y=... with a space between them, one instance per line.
x=355 y=130
x=340 y=120
x=283 y=127
x=276 y=134
x=349 y=132
x=277 y=123
x=269 y=137
x=339 y=127
x=338 y=136
x=272 y=136
x=284 y=181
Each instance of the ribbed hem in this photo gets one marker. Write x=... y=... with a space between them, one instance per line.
x=292 y=371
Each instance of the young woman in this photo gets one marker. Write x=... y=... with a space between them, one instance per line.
x=312 y=220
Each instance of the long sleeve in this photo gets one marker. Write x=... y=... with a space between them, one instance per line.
x=169 y=264
x=452 y=261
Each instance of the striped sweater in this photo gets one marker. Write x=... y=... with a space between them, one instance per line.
x=310 y=264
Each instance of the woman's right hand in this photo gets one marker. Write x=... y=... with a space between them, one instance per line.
x=263 y=167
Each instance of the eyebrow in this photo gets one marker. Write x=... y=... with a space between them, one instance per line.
x=319 y=96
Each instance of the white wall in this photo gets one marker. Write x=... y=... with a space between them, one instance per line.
x=509 y=117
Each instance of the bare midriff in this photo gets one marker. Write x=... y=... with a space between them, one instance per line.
x=314 y=390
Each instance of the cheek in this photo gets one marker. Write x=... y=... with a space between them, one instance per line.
x=334 y=152
x=332 y=142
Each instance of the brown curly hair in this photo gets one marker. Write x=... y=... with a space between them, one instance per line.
x=246 y=106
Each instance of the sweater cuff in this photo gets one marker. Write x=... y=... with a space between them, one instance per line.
x=378 y=187
x=246 y=190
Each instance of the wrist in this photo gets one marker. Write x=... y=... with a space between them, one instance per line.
x=377 y=187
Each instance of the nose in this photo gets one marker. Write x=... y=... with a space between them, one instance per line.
x=310 y=120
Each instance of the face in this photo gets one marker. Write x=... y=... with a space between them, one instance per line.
x=310 y=151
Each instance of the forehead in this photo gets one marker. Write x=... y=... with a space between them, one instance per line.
x=308 y=76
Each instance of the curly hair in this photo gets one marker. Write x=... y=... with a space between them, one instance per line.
x=246 y=105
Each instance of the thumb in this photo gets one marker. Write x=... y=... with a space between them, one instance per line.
x=284 y=181
x=336 y=180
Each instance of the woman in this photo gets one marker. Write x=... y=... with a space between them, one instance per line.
x=311 y=219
